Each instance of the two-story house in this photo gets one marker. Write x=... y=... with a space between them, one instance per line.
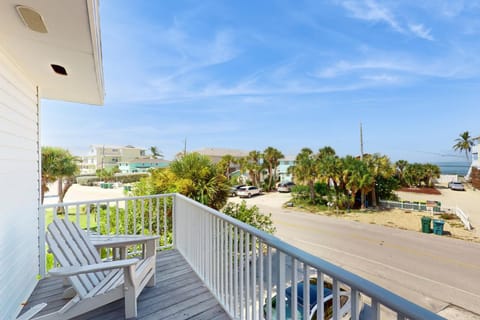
x=107 y=156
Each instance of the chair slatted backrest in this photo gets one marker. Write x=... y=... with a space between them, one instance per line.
x=71 y=247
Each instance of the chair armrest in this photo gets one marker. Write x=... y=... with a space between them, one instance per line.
x=32 y=311
x=105 y=241
x=74 y=270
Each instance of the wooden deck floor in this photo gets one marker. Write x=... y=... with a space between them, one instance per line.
x=179 y=294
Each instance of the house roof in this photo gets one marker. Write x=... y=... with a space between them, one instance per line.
x=148 y=160
x=114 y=147
x=220 y=152
x=288 y=158
x=72 y=40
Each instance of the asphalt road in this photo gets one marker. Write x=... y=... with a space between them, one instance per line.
x=429 y=270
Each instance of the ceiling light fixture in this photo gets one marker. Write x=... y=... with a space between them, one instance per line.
x=32 y=19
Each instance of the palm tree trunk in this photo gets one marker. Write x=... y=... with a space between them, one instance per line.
x=312 y=191
x=270 y=178
x=374 y=196
x=362 y=199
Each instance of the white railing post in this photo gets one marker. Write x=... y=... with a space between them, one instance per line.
x=281 y=286
x=41 y=243
x=174 y=220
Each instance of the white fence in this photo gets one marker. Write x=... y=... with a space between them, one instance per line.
x=422 y=206
x=245 y=267
x=242 y=266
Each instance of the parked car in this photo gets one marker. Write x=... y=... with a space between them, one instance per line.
x=234 y=189
x=458 y=186
x=327 y=302
x=285 y=186
x=248 y=191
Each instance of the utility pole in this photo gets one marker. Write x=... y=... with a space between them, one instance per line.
x=185 y=147
x=361 y=142
x=362 y=194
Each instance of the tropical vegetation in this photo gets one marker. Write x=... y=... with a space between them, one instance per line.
x=192 y=175
x=250 y=215
x=324 y=178
x=58 y=165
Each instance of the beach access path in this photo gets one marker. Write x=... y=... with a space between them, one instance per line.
x=468 y=201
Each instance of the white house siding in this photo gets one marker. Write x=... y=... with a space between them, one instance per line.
x=19 y=188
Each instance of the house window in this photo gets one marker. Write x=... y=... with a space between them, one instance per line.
x=474 y=156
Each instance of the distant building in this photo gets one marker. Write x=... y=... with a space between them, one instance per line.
x=474 y=171
x=283 y=167
x=216 y=154
x=142 y=165
x=105 y=157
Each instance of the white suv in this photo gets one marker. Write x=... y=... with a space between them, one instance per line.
x=248 y=191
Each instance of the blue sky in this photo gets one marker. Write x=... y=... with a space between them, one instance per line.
x=287 y=74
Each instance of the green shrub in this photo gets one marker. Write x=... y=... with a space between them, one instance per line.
x=251 y=216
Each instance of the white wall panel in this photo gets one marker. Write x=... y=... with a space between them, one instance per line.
x=19 y=188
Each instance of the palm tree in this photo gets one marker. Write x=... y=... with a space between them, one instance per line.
x=306 y=170
x=329 y=167
x=431 y=171
x=58 y=165
x=379 y=166
x=400 y=166
x=254 y=167
x=207 y=185
x=225 y=164
x=356 y=177
x=271 y=157
x=155 y=152
x=464 y=143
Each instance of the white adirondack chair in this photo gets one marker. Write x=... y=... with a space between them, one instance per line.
x=96 y=283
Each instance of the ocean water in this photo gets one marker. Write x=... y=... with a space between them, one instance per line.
x=460 y=168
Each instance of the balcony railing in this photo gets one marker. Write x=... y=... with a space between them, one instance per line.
x=242 y=266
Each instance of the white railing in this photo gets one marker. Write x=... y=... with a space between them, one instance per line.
x=464 y=217
x=245 y=267
x=133 y=215
x=422 y=206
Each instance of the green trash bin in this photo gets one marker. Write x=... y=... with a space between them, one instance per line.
x=438 y=226
x=426 y=224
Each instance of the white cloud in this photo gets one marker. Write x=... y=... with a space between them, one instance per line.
x=369 y=10
x=420 y=31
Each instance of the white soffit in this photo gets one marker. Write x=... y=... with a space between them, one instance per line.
x=72 y=41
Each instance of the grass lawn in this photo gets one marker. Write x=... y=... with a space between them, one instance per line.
x=72 y=216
